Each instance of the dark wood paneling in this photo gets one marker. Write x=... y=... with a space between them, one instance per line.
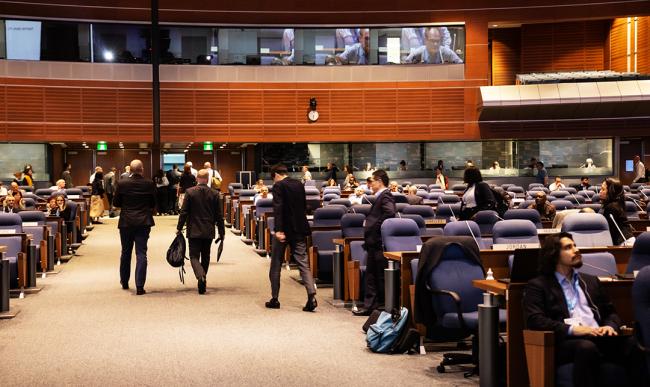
x=506 y=55
x=228 y=162
x=618 y=39
x=643 y=45
x=82 y=165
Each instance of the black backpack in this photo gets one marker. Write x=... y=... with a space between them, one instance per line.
x=176 y=255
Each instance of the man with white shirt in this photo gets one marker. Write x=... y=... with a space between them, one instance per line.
x=194 y=171
x=557 y=185
x=59 y=186
x=639 y=170
x=213 y=174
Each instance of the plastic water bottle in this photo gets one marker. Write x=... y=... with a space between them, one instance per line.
x=490 y=274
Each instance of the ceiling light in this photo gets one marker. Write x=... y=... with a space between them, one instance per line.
x=109 y=56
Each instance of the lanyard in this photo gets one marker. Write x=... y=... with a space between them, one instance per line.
x=571 y=303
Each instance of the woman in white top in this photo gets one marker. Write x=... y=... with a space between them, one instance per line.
x=478 y=195
x=306 y=175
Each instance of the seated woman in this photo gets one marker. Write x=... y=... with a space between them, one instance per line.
x=332 y=183
x=478 y=195
x=20 y=203
x=350 y=183
x=612 y=197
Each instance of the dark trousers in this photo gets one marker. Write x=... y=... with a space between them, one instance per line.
x=375 y=265
x=299 y=253
x=172 y=200
x=587 y=354
x=130 y=236
x=161 y=199
x=200 y=256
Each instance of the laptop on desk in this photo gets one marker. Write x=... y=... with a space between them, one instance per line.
x=525 y=265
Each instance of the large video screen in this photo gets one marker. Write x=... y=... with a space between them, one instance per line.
x=23 y=39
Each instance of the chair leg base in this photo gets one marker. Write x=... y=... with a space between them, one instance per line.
x=11 y=313
x=449 y=359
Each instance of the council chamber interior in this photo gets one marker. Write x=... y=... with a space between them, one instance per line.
x=522 y=94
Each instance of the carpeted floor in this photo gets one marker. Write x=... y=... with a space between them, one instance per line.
x=82 y=328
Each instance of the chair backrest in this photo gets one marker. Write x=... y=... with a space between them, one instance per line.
x=360 y=209
x=588 y=230
x=434 y=186
x=436 y=195
x=586 y=193
x=26 y=188
x=418 y=220
x=342 y=202
x=262 y=206
x=462 y=227
x=515 y=231
x=561 y=205
x=352 y=225
x=328 y=190
x=595 y=188
x=84 y=188
x=486 y=220
x=446 y=211
x=33 y=216
x=594 y=206
x=458 y=187
x=524 y=213
x=74 y=192
x=526 y=203
x=29 y=203
x=631 y=210
x=516 y=189
x=576 y=199
x=422 y=194
x=422 y=187
x=399 y=197
x=405 y=183
x=247 y=194
x=641 y=300
x=323 y=239
x=559 y=194
x=369 y=198
x=645 y=193
x=328 y=216
x=540 y=188
x=598 y=264
x=626 y=188
x=44 y=192
x=399 y=234
x=12 y=222
x=330 y=196
x=505 y=186
x=74 y=209
x=455 y=272
x=29 y=195
x=423 y=210
x=399 y=207
x=234 y=188
x=312 y=191
x=570 y=190
x=446 y=199
x=630 y=196
x=533 y=185
x=640 y=253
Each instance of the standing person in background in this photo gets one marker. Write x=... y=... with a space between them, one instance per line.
x=174 y=177
x=291 y=229
x=110 y=182
x=67 y=175
x=97 y=198
x=542 y=174
x=214 y=178
x=28 y=176
x=162 y=187
x=331 y=172
x=194 y=171
x=186 y=181
x=136 y=197
x=127 y=172
x=306 y=175
x=477 y=196
x=639 y=170
x=347 y=171
x=441 y=179
x=201 y=212
x=383 y=208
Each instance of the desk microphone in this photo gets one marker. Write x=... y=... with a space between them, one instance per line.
x=364 y=196
x=472 y=232
x=637 y=204
x=644 y=195
x=575 y=198
x=619 y=230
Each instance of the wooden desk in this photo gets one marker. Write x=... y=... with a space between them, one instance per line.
x=517 y=372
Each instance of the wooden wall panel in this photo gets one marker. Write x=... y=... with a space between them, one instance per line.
x=25 y=104
x=643 y=45
x=618 y=45
x=506 y=55
x=570 y=46
x=62 y=104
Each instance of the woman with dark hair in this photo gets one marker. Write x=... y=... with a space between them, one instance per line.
x=97 y=198
x=477 y=196
x=28 y=176
x=347 y=171
x=612 y=197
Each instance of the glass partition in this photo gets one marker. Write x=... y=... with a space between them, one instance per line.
x=14 y=157
x=124 y=43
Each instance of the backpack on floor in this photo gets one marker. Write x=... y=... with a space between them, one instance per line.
x=176 y=255
x=383 y=334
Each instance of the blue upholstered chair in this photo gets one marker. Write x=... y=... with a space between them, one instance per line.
x=423 y=194
x=11 y=222
x=436 y=195
x=515 y=231
x=74 y=192
x=424 y=230
x=516 y=191
x=559 y=194
x=466 y=228
x=399 y=207
x=533 y=185
x=399 y=197
x=434 y=186
x=598 y=264
x=424 y=211
x=342 y=201
x=14 y=245
x=329 y=216
x=486 y=220
x=576 y=199
x=321 y=253
x=594 y=206
x=234 y=188
x=588 y=230
x=640 y=253
x=570 y=190
x=526 y=203
x=524 y=213
x=29 y=203
x=400 y=234
x=369 y=198
x=561 y=205
x=505 y=186
x=641 y=299
x=360 y=209
x=312 y=198
x=330 y=196
x=329 y=190
x=446 y=211
x=631 y=210
x=44 y=192
x=446 y=199
x=352 y=225
x=458 y=188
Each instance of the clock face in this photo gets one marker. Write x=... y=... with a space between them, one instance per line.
x=312 y=115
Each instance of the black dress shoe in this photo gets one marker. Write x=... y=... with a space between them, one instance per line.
x=273 y=303
x=311 y=304
x=362 y=312
x=125 y=285
x=202 y=286
x=140 y=291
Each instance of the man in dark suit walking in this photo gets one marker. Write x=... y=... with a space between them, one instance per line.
x=136 y=196
x=576 y=308
x=201 y=211
x=291 y=228
x=382 y=209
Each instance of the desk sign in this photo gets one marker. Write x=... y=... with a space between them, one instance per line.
x=647 y=228
x=74 y=197
x=30 y=224
x=514 y=246
x=449 y=192
x=518 y=200
x=546 y=231
x=435 y=221
x=418 y=248
x=7 y=231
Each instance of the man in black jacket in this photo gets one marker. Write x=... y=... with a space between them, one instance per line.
x=291 y=228
x=382 y=209
x=575 y=307
x=201 y=211
x=136 y=196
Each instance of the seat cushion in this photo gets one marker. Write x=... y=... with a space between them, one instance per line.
x=450 y=320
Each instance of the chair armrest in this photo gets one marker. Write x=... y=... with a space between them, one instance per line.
x=354 y=279
x=540 y=357
x=457 y=301
x=313 y=261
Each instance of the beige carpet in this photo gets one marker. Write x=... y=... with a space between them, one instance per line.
x=83 y=329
